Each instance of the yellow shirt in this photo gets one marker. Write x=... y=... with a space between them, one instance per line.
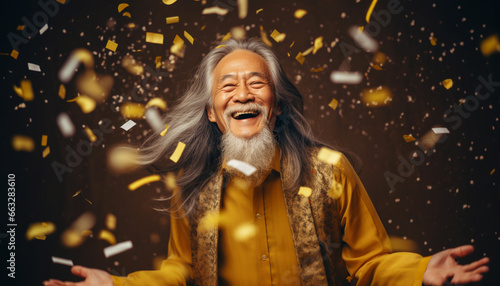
x=256 y=245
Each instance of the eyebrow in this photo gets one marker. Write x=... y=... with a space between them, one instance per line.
x=250 y=74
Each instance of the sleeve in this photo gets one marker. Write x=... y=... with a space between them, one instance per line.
x=176 y=269
x=367 y=250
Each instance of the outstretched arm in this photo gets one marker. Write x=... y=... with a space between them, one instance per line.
x=442 y=266
x=92 y=277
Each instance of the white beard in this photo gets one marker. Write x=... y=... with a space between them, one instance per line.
x=257 y=151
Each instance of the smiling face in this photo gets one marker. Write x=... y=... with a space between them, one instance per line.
x=243 y=91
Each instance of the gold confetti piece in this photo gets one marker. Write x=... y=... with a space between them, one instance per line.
x=154 y=38
x=111 y=46
x=143 y=181
x=333 y=104
x=336 y=189
x=158 y=102
x=127 y=14
x=370 y=10
x=46 y=152
x=111 y=221
x=377 y=67
x=245 y=231
x=72 y=100
x=226 y=37
x=492 y=171
x=170 y=181
x=131 y=25
x=169 y=2
x=122 y=159
x=433 y=41
x=447 y=83
x=379 y=58
x=132 y=110
x=203 y=27
x=164 y=131
x=75 y=235
x=90 y=134
x=132 y=66
x=25 y=91
x=158 y=62
x=308 y=51
x=490 y=45
x=20 y=27
x=376 y=97
x=400 y=244
x=188 y=37
x=62 y=91
x=429 y=139
x=14 y=54
x=408 y=138
x=305 y=191
x=178 y=47
x=23 y=143
x=220 y=46
x=212 y=220
x=77 y=193
x=44 y=140
x=263 y=37
x=178 y=152
x=122 y=6
x=97 y=87
x=277 y=36
x=258 y=11
x=329 y=156
x=107 y=236
x=300 y=58
x=238 y=33
x=318 y=44
x=40 y=229
x=316 y=69
x=41 y=237
x=88 y=201
x=86 y=103
x=242 y=9
x=215 y=10
x=299 y=13
x=293 y=43
x=75 y=58
x=178 y=40
x=172 y=20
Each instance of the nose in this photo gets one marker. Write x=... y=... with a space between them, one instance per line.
x=243 y=94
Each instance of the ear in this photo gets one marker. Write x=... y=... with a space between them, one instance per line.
x=210 y=113
x=278 y=110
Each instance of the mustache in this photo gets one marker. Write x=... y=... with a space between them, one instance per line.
x=244 y=107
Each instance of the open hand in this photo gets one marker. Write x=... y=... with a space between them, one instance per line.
x=93 y=277
x=443 y=266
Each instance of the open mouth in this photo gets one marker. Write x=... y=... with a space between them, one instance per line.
x=240 y=115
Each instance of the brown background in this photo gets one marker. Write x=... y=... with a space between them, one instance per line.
x=450 y=200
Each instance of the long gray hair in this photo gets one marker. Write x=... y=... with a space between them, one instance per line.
x=188 y=122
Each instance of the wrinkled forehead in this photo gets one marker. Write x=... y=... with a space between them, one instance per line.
x=241 y=62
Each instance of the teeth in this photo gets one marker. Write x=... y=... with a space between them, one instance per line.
x=236 y=114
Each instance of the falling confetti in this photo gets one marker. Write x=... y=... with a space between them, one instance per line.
x=86 y=103
x=153 y=117
x=447 y=83
x=343 y=77
x=172 y=20
x=242 y=9
x=143 y=181
x=14 y=54
x=23 y=143
x=111 y=221
x=78 y=56
x=44 y=28
x=90 y=134
x=62 y=91
x=107 y=236
x=333 y=104
x=170 y=181
x=277 y=36
x=299 y=13
x=370 y=10
x=34 y=67
x=65 y=125
x=46 y=152
x=164 y=131
x=169 y=2
x=433 y=41
x=490 y=45
x=178 y=152
x=111 y=46
x=132 y=66
x=245 y=231
x=300 y=58
x=241 y=166
x=154 y=38
x=132 y=110
x=363 y=39
x=215 y=10
x=258 y=11
x=44 y=140
x=25 y=91
x=318 y=44
x=117 y=248
x=122 y=159
x=77 y=233
x=62 y=261
x=440 y=130
x=127 y=125
x=377 y=97
x=189 y=37
x=40 y=229
x=408 y=138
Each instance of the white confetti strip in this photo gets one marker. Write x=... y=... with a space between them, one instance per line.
x=153 y=117
x=62 y=261
x=117 y=248
x=65 y=125
x=241 y=166
x=34 y=67
x=441 y=130
x=127 y=125
x=44 y=28
x=68 y=69
x=363 y=39
x=346 y=77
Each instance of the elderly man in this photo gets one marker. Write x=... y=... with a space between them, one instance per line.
x=242 y=106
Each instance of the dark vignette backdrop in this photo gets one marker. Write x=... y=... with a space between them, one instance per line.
x=450 y=200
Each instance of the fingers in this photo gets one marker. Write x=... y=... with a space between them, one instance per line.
x=55 y=282
x=461 y=251
x=476 y=264
x=80 y=271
